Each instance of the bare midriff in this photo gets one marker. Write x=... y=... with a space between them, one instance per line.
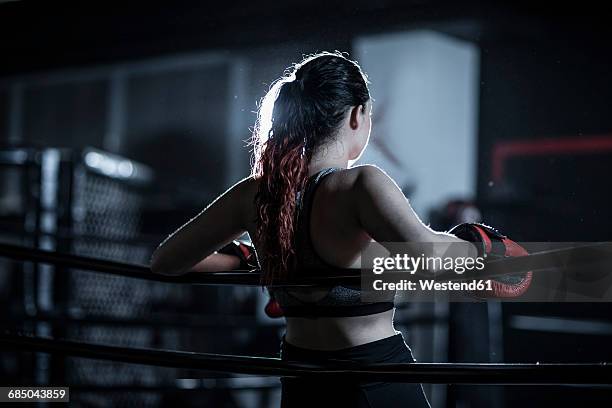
x=335 y=333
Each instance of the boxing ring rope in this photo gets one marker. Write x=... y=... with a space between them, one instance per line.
x=567 y=257
x=451 y=373
x=447 y=373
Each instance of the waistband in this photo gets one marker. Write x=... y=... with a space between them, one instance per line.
x=314 y=311
x=390 y=349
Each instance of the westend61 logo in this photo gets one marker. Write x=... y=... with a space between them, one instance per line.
x=417 y=268
x=405 y=263
x=548 y=272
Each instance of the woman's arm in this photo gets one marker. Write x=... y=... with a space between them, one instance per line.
x=219 y=223
x=217 y=263
x=386 y=215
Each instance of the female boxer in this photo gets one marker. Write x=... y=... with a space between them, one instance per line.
x=307 y=209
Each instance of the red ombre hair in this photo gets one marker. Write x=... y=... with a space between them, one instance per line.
x=301 y=112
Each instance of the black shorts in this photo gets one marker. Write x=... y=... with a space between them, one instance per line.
x=337 y=393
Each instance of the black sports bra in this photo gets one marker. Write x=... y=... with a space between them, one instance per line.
x=336 y=301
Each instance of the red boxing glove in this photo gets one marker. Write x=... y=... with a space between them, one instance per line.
x=273 y=309
x=492 y=242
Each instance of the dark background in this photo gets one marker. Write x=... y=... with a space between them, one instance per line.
x=544 y=74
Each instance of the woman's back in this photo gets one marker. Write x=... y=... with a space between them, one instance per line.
x=330 y=236
x=334 y=226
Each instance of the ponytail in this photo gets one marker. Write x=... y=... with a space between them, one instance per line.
x=282 y=168
x=300 y=112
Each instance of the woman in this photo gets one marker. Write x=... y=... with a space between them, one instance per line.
x=306 y=209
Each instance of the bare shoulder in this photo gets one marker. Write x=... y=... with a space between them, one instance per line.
x=244 y=192
x=351 y=177
x=247 y=186
x=370 y=171
x=368 y=178
x=240 y=197
x=359 y=183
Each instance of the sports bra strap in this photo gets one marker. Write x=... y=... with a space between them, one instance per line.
x=340 y=301
x=306 y=255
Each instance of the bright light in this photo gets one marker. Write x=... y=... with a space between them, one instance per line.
x=125 y=168
x=108 y=166
x=93 y=159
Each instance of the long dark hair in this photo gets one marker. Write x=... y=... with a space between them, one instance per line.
x=302 y=111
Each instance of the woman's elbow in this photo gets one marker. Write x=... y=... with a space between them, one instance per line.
x=157 y=266
x=161 y=266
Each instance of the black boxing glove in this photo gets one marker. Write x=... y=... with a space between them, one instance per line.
x=244 y=252
x=492 y=244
